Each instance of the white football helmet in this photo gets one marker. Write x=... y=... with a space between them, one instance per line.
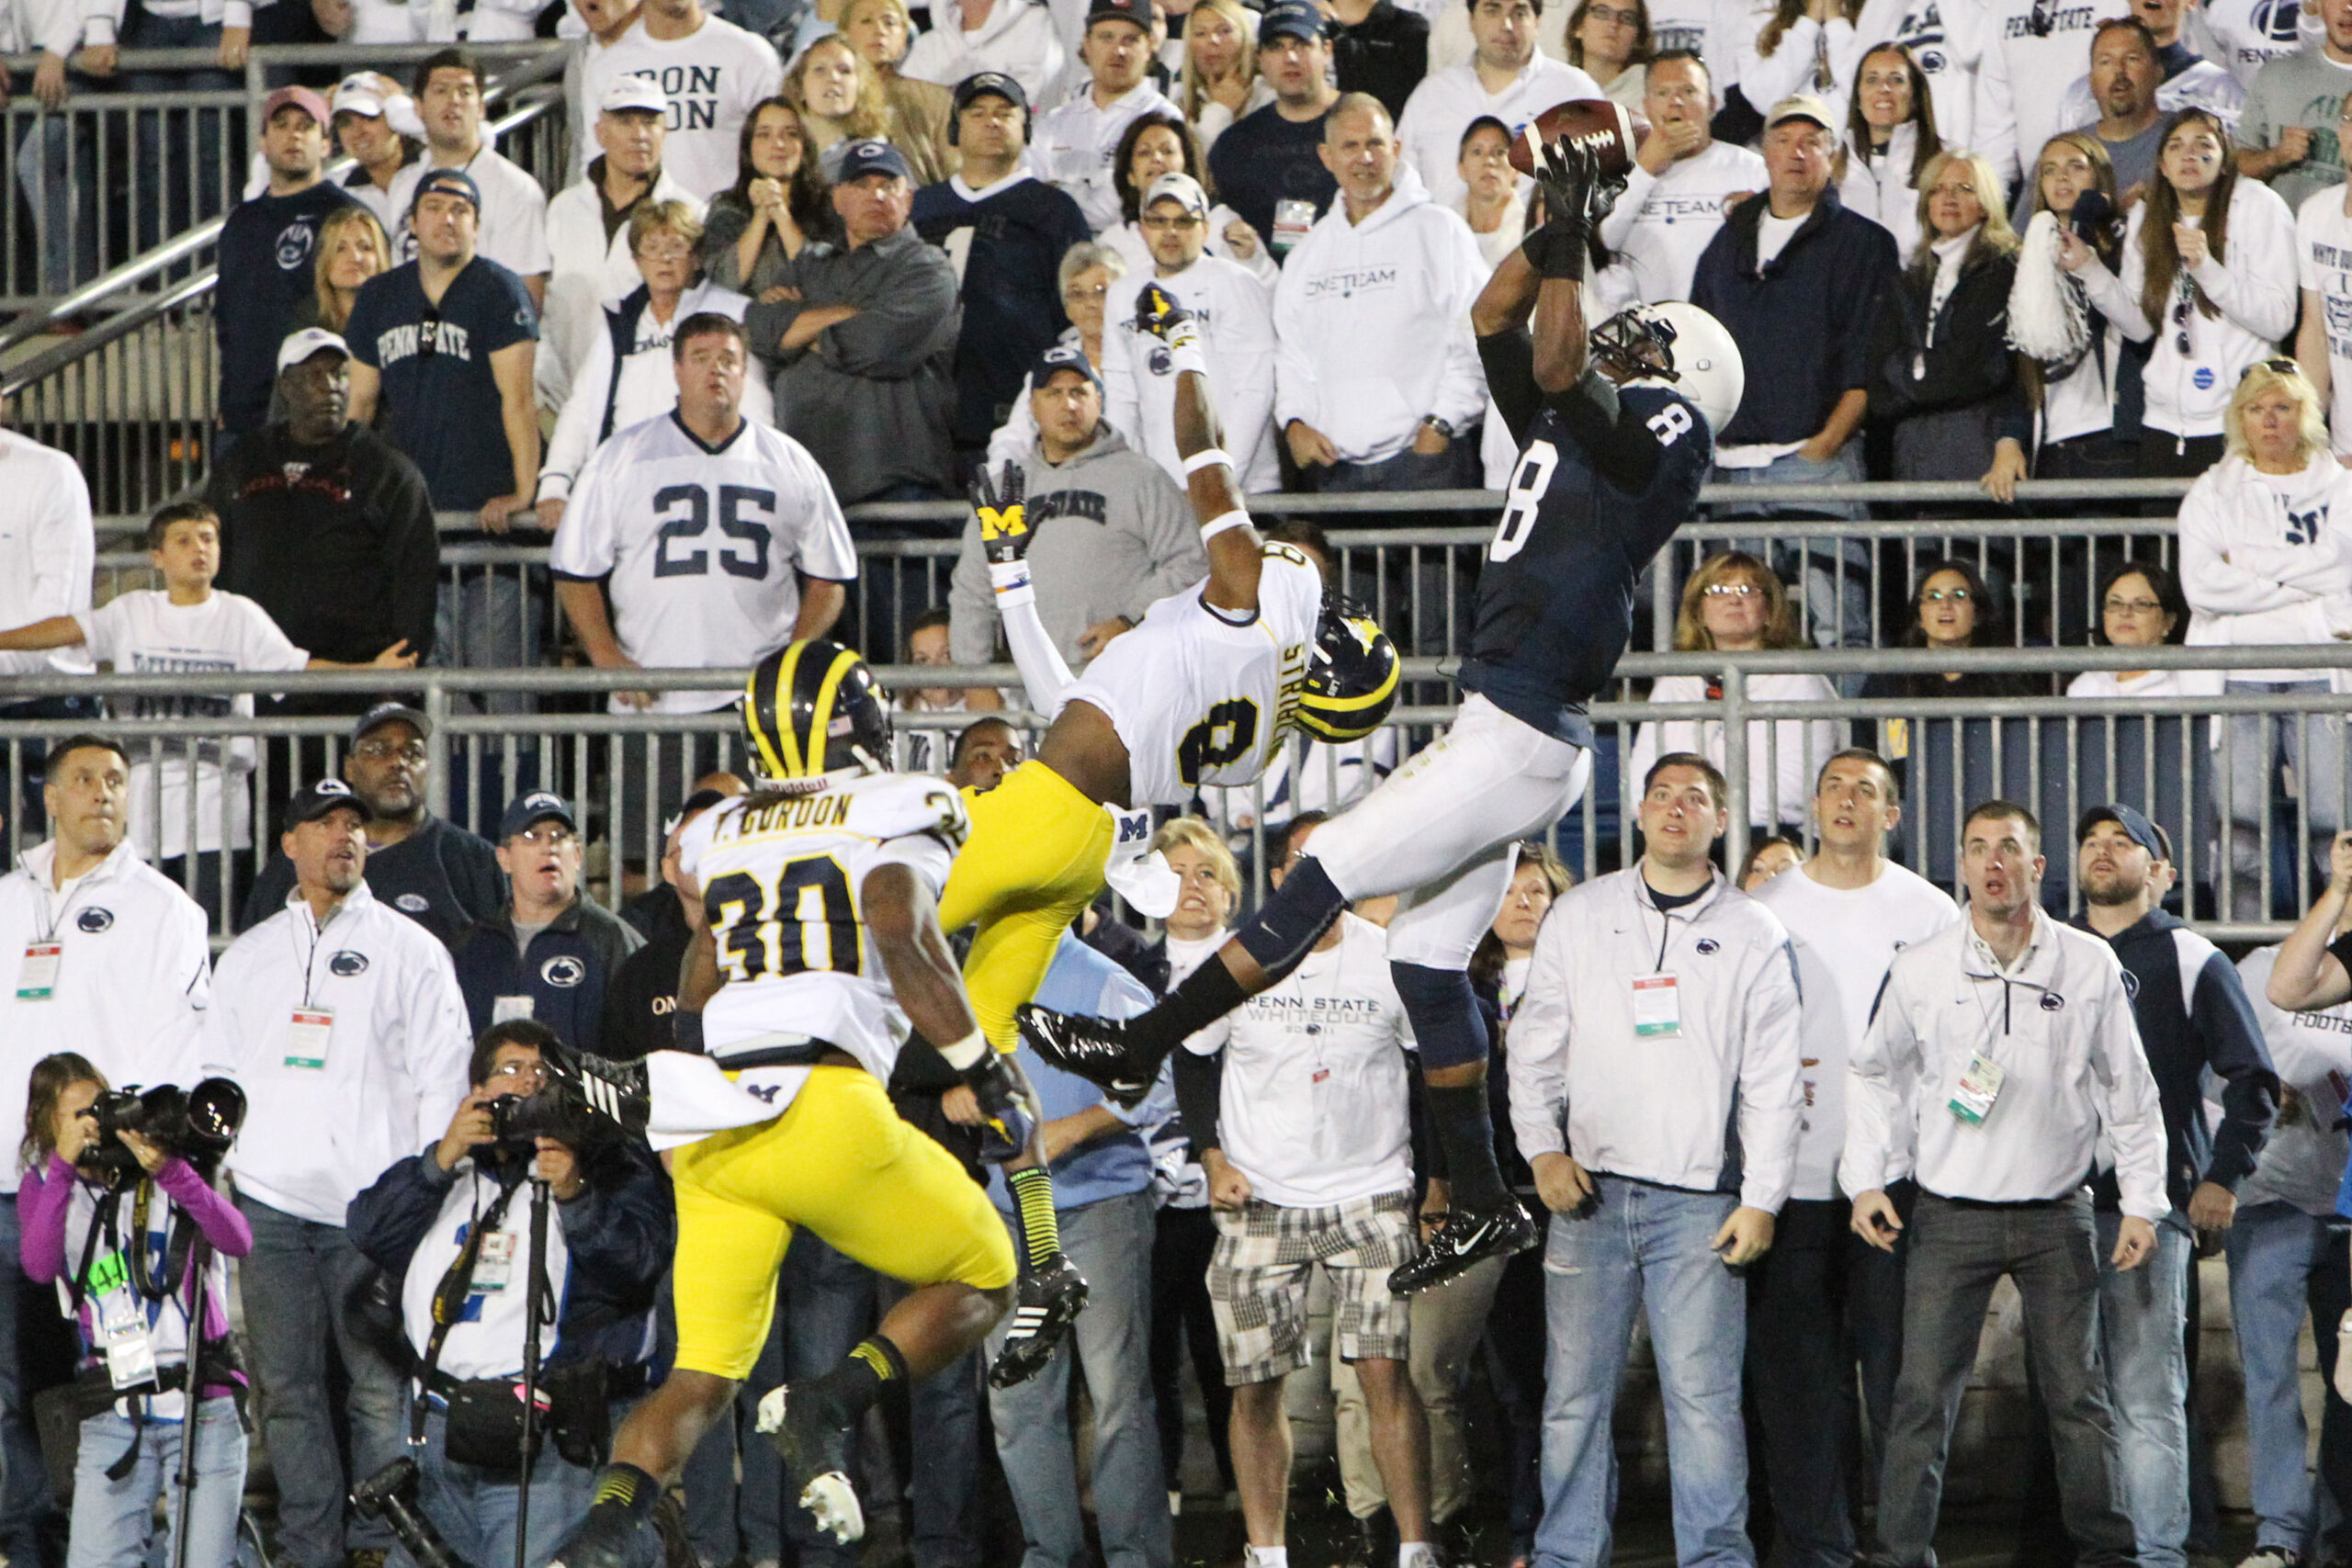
x=1701 y=362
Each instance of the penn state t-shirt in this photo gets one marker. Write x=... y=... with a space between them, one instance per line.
x=439 y=402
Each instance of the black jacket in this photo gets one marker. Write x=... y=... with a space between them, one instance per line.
x=1806 y=323
x=620 y=1232
x=1386 y=54
x=336 y=541
x=441 y=876
x=566 y=971
x=1970 y=361
x=2193 y=1014
x=641 y=998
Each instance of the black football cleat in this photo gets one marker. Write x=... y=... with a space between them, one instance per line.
x=1049 y=1301
x=816 y=1449
x=1096 y=1049
x=1461 y=1240
x=603 y=1539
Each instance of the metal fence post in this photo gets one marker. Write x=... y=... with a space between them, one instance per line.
x=436 y=745
x=1736 y=766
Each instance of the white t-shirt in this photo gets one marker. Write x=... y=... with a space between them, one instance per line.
x=1661 y=225
x=514 y=224
x=702 y=545
x=1773 y=234
x=2324 y=265
x=712 y=77
x=143 y=633
x=1844 y=938
x=1314 y=1105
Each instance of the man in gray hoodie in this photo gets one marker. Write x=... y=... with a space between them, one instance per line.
x=1113 y=532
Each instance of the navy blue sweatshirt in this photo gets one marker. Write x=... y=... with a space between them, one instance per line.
x=1013 y=305
x=620 y=1232
x=565 y=972
x=2193 y=1014
x=269 y=252
x=1805 y=323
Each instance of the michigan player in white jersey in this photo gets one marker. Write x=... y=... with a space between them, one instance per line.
x=720 y=539
x=1201 y=692
x=822 y=947
x=1616 y=437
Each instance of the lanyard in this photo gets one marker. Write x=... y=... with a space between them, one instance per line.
x=310 y=958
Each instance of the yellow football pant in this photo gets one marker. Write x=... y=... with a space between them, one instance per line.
x=841 y=1163
x=1035 y=859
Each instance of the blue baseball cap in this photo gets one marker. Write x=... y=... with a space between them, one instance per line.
x=1063 y=356
x=526 y=811
x=324 y=796
x=1295 y=18
x=986 y=84
x=2135 y=824
x=869 y=155
x=447 y=182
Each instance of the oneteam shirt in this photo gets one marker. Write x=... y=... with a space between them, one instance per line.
x=439 y=402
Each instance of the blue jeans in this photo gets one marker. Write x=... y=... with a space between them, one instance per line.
x=1111 y=1243
x=2261 y=745
x=57 y=164
x=1643 y=1249
x=114 y=1520
x=2141 y=1317
x=187 y=172
x=1833 y=575
x=475 y=1510
x=307 y=1290
x=32 y=1527
x=2283 y=1262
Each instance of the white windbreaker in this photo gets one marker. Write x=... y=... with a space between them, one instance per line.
x=1237 y=316
x=393 y=1069
x=2255 y=288
x=2059 y=1026
x=133 y=976
x=1371 y=325
x=1882 y=191
x=2260 y=563
x=591 y=272
x=1656 y=1108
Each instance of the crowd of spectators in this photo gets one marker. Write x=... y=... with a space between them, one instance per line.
x=807 y=256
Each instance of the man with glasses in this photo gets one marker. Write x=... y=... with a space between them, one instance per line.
x=551 y=951
x=435 y=873
x=1237 y=314
x=1507 y=77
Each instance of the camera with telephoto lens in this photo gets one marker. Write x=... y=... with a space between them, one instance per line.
x=199 y=1124
x=518 y=1120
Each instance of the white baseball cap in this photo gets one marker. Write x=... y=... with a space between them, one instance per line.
x=1177 y=185
x=641 y=93
x=308 y=344
x=359 y=93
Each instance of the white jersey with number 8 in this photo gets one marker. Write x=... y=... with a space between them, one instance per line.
x=781 y=874
x=1202 y=697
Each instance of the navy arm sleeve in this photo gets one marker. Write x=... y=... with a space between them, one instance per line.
x=2224 y=1022
x=1509 y=359
x=1619 y=441
x=1200 y=1097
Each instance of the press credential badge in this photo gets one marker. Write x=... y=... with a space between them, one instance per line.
x=1979 y=1087
x=1658 y=1007
x=307 y=1037
x=36 y=976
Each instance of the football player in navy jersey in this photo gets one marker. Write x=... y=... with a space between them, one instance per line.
x=1616 y=431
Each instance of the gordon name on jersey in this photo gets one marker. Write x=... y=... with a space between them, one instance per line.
x=1202 y=697
x=781 y=874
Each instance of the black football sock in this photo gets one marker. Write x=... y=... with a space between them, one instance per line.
x=1467 y=1131
x=872 y=1368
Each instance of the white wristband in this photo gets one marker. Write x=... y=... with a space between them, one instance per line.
x=967 y=1053
x=1236 y=518
x=1206 y=459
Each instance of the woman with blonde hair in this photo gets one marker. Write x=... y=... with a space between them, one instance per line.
x=1734 y=604
x=840 y=96
x=1891 y=137
x=1220 y=82
x=2069 y=351
x=2209 y=273
x=2266 y=557
x=626 y=375
x=881 y=31
x=1947 y=379
x=351 y=248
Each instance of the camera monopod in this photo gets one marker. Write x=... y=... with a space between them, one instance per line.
x=537 y=1291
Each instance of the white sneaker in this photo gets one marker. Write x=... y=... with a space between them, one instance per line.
x=1175 y=1501
x=2273 y=1557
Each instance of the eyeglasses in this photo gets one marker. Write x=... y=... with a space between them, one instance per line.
x=2180 y=320
x=2278 y=366
x=1099 y=291
x=535 y=1071
x=2133 y=606
x=674 y=250
x=1939 y=595
x=547 y=836
x=1732 y=591
x=382 y=751
x=1612 y=16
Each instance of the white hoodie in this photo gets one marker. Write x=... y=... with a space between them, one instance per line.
x=590 y=273
x=1236 y=315
x=2023 y=77
x=1881 y=189
x=1430 y=130
x=1017 y=39
x=1659 y=1106
x=2189 y=394
x=2268 y=558
x=1371 y=325
x=393 y=1069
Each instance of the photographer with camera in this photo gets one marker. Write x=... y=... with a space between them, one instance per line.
x=95 y=1164
x=453 y=1225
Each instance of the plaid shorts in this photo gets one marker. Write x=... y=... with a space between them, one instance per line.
x=1258 y=1279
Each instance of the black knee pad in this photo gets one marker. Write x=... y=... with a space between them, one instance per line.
x=1447 y=1025
x=1291 y=922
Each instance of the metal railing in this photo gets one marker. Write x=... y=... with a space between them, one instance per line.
x=2249 y=834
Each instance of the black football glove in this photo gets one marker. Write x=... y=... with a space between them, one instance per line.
x=1007 y=1115
x=1576 y=197
x=1158 y=312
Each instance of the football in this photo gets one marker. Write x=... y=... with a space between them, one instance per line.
x=1610 y=129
